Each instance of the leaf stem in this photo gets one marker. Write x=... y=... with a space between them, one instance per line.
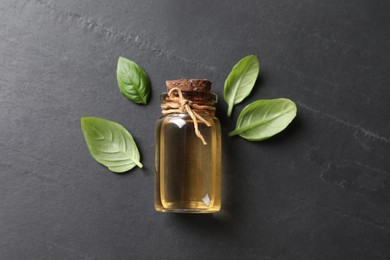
x=139 y=164
x=230 y=108
x=233 y=133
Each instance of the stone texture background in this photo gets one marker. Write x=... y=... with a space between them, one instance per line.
x=319 y=190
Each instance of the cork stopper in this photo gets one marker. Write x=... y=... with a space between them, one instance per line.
x=189 y=85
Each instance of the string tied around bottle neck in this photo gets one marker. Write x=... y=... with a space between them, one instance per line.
x=176 y=103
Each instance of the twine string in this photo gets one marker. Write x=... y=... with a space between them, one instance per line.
x=178 y=104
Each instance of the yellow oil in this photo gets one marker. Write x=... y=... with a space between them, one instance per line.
x=188 y=173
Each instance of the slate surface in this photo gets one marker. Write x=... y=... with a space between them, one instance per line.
x=320 y=190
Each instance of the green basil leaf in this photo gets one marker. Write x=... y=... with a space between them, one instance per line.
x=264 y=118
x=240 y=81
x=133 y=81
x=110 y=144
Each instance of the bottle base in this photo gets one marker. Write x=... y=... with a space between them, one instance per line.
x=192 y=208
x=189 y=211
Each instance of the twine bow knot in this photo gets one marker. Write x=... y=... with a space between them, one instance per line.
x=184 y=102
x=178 y=104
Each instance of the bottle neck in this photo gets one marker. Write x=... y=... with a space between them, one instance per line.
x=175 y=101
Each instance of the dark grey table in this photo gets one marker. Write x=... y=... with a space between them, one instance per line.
x=319 y=190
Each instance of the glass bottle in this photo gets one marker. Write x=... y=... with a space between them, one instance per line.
x=188 y=162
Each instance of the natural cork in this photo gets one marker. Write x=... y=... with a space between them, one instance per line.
x=189 y=85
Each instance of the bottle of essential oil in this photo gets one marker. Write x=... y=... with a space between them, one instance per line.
x=188 y=149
